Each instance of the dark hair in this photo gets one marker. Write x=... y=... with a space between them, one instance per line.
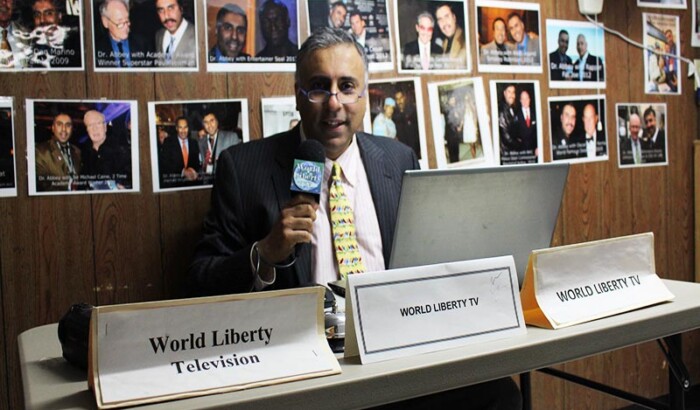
x=493 y=25
x=326 y=37
x=563 y=32
x=339 y=4
x=515 y=14
x=274 y=3
x=649 y=111
x=356 y=13
x=183 y=118
x=230 y=8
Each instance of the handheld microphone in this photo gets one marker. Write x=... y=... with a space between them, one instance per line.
x=307 y=175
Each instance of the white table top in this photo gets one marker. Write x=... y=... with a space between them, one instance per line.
x=51 y=383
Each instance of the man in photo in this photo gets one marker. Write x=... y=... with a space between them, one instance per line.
x=53 y=44
x=566 y=144
x=383 y=126
x=176 y=42
x=631 y=148
x=406 y=121
x=231 y=31
x=358 y=27
x=181 y=157
x=670 y=64
x=214 y=142
x=337 y=14
x=561 y=67
x=654 y=139
x=526 y=128
x=499 y=50
x=57 y=161
x=527 y=47
x=274 y=24
x=117 y=47
x=595 y=140
x=454 y=49
x=588 y=67
x=13 y=48
x=510 y=142
x=420 y=53
x=106 y=164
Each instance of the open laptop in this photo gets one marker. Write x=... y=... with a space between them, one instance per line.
x=462 y=214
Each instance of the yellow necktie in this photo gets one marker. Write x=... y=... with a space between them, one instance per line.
x=347 y=250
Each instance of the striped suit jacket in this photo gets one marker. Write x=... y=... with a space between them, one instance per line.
x=252 y=186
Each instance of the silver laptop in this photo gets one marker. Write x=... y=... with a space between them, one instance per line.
x=462 y=214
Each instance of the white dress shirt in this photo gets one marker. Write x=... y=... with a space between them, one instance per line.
x=177 y=37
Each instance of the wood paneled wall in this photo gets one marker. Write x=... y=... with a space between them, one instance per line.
x=106 y=249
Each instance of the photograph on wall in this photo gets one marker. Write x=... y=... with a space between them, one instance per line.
x=461 y=131
x=252 y=35
x=516 y=124
x=695 y=35
x=279 y=114
x=576 y=53
x=368 y=21
x=662 y=73
x=641 y=134
x=187 y=138
x=82 y=147
x=41 y=35
x=663 y=4
x=432 y=36
x=8 y=166
x=508 y=37
x=395 y=110
x=143 y=35
x=578 y=128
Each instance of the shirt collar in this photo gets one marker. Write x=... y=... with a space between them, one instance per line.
x=179 y=32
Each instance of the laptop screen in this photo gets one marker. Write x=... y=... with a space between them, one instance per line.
x=463 y=214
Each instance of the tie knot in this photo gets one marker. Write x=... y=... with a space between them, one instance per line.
x=337 y=171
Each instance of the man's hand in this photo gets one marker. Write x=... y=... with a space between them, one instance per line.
x=189 y=173
x=294 y=226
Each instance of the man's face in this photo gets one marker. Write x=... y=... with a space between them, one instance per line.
x=499 y=32
x=170 y=14
x=581 y=45
x=230 y=34
x=62 y=128
x=45 y=14
x=568 y=119
x=183 y=130
x=357 y=24
x=590 y=120
x=6 y=7
x=650 y=123
x=96 y=127
x=117 y=15
x=669 y=36
x=388 y=110
x=211 y=124
x=424 y=28
x=274 y=25
x=635 y=126
x=524 y=99
x=338 y=14
x=446 y=20
x=335 y=69
x=400 y=98
x=509 y=95
x=563 y=43
x=516 y=29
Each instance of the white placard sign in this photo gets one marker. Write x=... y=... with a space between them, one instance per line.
x=160 y=351
x=578 y=283
x=403 y=312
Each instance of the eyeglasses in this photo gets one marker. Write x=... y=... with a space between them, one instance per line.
x=119 y=25
x=322 y=96
x=424 y=28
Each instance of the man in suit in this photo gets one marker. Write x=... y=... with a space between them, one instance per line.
x=57 y=161
x=420 y=53
x=181 y=158
x=566 y=144
x=526 y=129
x=561 y=68
x=631 y=148
x=274 y=24
x=654 y=138
x=509 y=140
x=454 y=48
x=176 y=44
x=588 y=67
x=527 y=45
x=255 y=225
x=13 y=49
x=106 y=163
x=214 y=142
x=118 y=47
x=499 y=50
x=594 y=139
x=406 y=120
x=231 y=31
